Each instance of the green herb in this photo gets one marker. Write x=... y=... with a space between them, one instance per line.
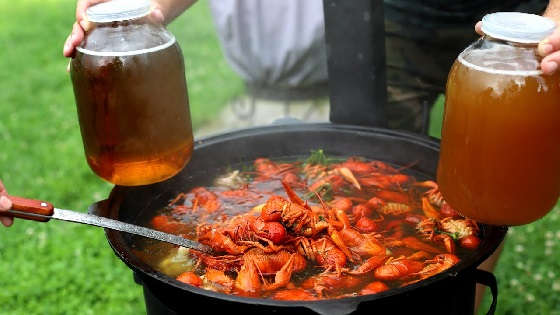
x=324 y=191
x=454 y=236
x=317 y=157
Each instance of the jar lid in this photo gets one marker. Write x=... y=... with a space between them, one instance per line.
x=118 y=10
x=517 y=27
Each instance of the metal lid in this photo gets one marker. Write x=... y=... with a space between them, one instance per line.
x=517 y=27
x=118 y=10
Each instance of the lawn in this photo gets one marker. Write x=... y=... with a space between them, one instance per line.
x=59 y=267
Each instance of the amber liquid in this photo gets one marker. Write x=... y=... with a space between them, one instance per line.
x=500 y=149
x=134 y=115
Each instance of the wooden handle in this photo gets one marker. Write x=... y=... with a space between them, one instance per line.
x=30 y=206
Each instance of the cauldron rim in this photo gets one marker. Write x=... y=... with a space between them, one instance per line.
x=493 y=235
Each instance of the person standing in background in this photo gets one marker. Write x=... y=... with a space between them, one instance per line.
x=278 y=49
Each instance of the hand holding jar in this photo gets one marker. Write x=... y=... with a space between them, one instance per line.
x=161 y=12
x=549 y=47
x=131 y=94
x=500 y=158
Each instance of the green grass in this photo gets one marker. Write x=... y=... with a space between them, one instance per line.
x=58 y=268
x=436 y=116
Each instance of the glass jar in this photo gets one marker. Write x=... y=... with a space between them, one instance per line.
x=131 y=94
x=500 y=148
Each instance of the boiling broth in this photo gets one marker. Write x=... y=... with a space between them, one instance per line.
x=243 y=192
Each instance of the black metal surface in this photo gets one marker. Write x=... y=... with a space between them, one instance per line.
x=486 y=278
x=450 y=296
x=462 y=290
x=355 y=37
x=451 y=292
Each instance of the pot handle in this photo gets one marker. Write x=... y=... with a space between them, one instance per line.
x=488 y=279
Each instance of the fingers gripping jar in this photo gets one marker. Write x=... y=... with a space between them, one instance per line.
x=131 y=95
x=500 y=150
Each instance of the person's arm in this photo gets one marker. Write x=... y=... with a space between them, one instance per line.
x=163 y=11
x=5 y=204
x=549 y=48
x=170 y=9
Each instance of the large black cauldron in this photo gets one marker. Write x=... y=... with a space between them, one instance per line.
x=451 y=292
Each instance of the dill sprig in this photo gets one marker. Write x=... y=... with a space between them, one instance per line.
x=317 y=157
x=324 y=191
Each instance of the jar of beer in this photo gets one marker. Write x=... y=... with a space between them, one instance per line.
x=129 y=83
x=500 y=149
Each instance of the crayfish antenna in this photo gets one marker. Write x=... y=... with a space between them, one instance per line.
x=407 y=166
x=293 y=196
x=321 y=201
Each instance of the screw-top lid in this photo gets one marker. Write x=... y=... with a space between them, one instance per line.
x=118 y=10
x=517 y=27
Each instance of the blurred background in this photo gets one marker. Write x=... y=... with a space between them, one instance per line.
x=59 y=268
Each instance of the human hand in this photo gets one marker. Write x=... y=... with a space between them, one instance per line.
x=549 y=49
x=82 y=25
x=5 y=204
